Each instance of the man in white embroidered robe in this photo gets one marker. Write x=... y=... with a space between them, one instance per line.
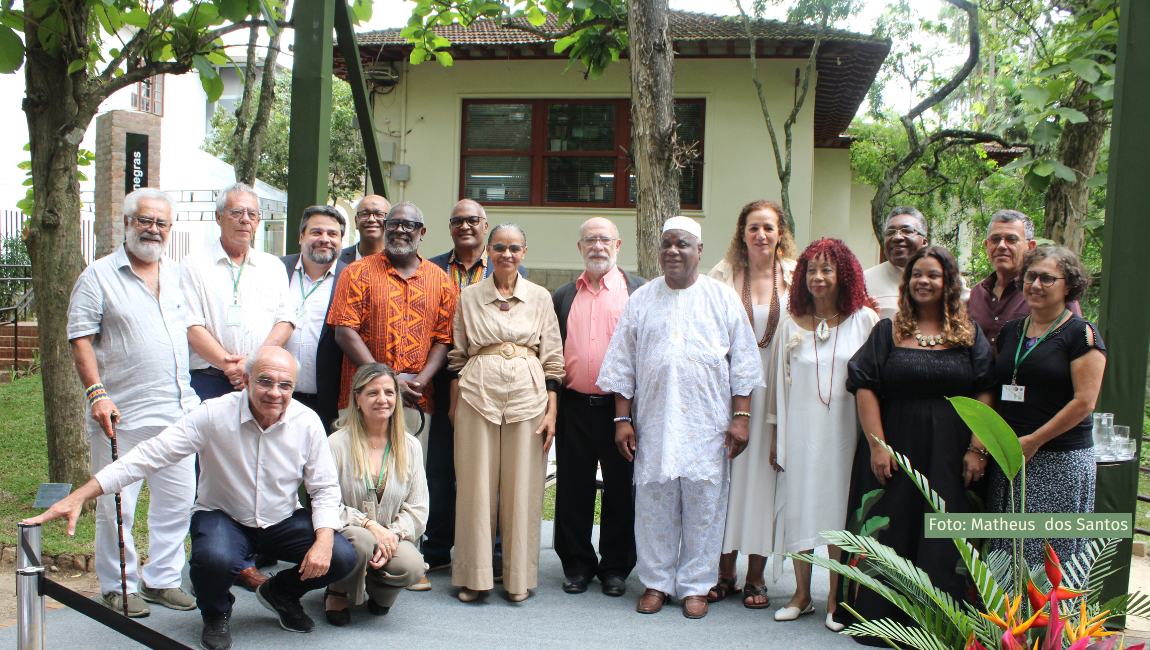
x=683 y=359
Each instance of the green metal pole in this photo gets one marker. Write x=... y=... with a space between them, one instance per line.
x=1124 y=314
x=309 y=141
x=350 y=51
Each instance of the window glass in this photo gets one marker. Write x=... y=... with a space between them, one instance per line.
x=581 y=127
x=501 y=127
x=580 y=179
x=497 y=179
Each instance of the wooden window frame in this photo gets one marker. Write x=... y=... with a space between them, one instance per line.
x=138 y=95
x=539 y=154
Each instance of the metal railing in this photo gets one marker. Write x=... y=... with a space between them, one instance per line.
x=1142 y=497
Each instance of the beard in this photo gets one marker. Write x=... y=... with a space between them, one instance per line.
x=397 y=246
x=148 y=250
x=319 y=255
x=599 y=265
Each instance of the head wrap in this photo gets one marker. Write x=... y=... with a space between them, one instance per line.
x=684 y=223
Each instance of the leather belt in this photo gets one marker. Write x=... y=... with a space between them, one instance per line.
x=215 y=372
x=590 y=400
x=507 y=350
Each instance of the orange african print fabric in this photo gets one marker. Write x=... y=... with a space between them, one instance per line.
x=398 y=319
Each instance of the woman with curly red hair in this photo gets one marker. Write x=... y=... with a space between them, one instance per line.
x=815 y=433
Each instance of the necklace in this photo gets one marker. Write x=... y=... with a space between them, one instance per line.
x=773 y=317
x=823 y=331
x=927 y=341
x=818 y=378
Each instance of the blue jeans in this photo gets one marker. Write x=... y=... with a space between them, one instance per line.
x=210 y=386
x=219 y=546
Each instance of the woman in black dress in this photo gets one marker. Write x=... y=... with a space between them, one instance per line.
x=902 y=377
x=1049 y=388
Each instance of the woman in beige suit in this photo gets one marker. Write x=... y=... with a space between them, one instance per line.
x=384 y=495
x=509 y=358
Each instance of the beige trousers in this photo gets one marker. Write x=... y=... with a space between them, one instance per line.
x=499 y=468
x=383 y=584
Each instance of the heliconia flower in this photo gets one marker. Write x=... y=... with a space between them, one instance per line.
x=1088 y=628
x=1056 y=624
x=1036 y=597
x=973 y=644
x=1009 y=642
x=1053 y=566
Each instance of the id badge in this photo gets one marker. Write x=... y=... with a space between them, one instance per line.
x=235 y=315
x=300 y=317
x=1012 y=393
x=371 y=509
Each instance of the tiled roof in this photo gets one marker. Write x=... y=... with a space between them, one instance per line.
x=847 y=61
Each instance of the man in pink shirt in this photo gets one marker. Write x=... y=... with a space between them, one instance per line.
x=588 y=309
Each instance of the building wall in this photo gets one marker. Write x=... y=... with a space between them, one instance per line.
x=831 y=192
x=862 y=240
x=423 y=117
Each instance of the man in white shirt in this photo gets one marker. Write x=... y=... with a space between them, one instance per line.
x=904 y=235
x=237 y=298
x=252 y=445
x=312 y=275
x=370 y=213
x=129 y=338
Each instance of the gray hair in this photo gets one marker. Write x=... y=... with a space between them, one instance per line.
x=407 y=204
x=222 y=199
x=250 y=364
x=507 y=226
x=132 y=201
x=1012 y=216
x=325 y=210
x=614 y=228
x=909 y=211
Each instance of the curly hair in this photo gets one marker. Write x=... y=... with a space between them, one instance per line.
x=849 y=275
x=957 y=328
x=737 y=252
x=1069 y=265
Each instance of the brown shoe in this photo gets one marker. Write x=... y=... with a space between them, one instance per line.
x=695 y=606
x=651 y=601
x=251 y=578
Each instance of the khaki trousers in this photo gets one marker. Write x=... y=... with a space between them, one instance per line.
x=383 y=584
x=499 y=468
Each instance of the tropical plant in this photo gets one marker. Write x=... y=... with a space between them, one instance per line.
x=1018 y=609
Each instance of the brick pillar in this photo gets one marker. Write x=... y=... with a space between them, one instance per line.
x=111 y=166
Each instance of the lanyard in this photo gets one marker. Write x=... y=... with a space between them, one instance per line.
x=1019 y=355
x=236 y=278
x=382 y=469
x=313 y=287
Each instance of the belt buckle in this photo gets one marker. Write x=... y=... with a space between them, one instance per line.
x=507 y=350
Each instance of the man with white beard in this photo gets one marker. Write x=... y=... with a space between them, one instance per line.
x=588 y=309
x=311 y=278
x=129 y=337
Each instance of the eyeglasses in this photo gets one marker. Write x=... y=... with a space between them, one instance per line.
x=905 y=231
x=456 y=222
x=1011 y=240
x=591 y=241
x=1045 y=279
x=370 y=214
x=402 y=224
x=146 y=223
x=239 y=213
x=266 y=383
x=503 y=248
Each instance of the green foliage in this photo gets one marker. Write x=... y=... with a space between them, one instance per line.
x=84 y=158
x=347 y=166
x=993 y=432
x=13 y=264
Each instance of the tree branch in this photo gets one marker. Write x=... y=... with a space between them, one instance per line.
x=959 y=77
x=207 y=38
x=130 y=50
x=554 y=36
x=91 y=105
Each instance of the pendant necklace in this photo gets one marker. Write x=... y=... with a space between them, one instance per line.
x=773 y=315
x=823 y=331
x=818 y=377
x=927 y=341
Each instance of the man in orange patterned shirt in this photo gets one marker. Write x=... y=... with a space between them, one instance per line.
x=396 y=308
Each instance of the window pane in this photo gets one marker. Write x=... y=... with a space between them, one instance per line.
x=580 y=179
x=503 y=127
x=497 y=179
x=581 y=127
x=689 y=118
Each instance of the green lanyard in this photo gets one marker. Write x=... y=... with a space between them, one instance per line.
x=313 y=287
x=236 y=278
x=1022 y=342
x=382 y=469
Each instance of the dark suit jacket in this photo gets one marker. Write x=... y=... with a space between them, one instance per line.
x=328 y=358
x=565 y=295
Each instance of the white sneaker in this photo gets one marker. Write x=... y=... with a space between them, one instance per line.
x=791 y=613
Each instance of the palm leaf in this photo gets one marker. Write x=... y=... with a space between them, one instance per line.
x=897 y=599
x=999 y=563
x=993 y=597
x=920 y=481
x=911 y=636
x=1135 y=604
x=856 y=519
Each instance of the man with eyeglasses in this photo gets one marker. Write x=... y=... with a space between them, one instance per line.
x=904 y=235
x=588 y=310
x=312 y=275
x=998 y=299
x=256 y=448
x=370 y=214
x=129 y=339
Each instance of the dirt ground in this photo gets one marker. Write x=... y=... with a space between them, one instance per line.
x=75 y=580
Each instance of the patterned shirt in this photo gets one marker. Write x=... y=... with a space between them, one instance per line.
x=463 y=277
x=398 y=319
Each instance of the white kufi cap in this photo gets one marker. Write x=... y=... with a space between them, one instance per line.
x=684 y=223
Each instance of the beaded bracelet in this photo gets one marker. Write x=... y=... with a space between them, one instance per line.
x=982 y=452
x=740 y=414
x=96 y=392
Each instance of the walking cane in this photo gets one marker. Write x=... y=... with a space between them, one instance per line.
x=120 y=527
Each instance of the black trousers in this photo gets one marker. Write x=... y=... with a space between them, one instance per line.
x=586 y=438
x=440 y=533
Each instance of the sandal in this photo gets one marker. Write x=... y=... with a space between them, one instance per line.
x=751 y=592
x=723 y=588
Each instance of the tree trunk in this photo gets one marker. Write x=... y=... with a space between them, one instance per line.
x=246 y=172
x=52 y=236
x=240 y=134
x=652 y=127
x=1078 y=149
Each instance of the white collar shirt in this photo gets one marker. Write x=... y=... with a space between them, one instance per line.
x=140 y=341
x=310 y=300
x=247 y=472
x=212 y=284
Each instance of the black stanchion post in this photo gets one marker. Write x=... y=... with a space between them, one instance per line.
x=120 y=528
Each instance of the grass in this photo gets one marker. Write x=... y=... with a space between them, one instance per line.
x=549 y=504
x=24 y=466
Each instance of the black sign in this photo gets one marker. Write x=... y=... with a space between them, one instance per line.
x=135 y=162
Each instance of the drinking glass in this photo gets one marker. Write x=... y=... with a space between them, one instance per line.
x=1125 y=448
x=1120 y=432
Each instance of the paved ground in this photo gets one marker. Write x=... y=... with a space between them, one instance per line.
x=436 y=619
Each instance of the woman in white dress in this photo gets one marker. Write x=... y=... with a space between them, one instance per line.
x=815 y=414
x=763 y=250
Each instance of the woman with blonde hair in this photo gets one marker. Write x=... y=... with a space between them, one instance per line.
x=384 y=495
x=758 y=266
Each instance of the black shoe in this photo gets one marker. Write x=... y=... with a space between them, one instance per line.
x=337 y=617
x=376 y=608
x=497 y=567
x=614 y=585
x=264 y=561
x=437 y=562
x=216 y=635
x=292 y=616
x=576 y=585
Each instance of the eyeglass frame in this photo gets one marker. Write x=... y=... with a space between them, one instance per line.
x=372 y=214
x=402 y=225
x=266 y=384
x=451 y=223
x=148 y=222
x=888 y=233
x=244 y=213
x=591 y=241
x=508 y=247
x=1029 y=278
